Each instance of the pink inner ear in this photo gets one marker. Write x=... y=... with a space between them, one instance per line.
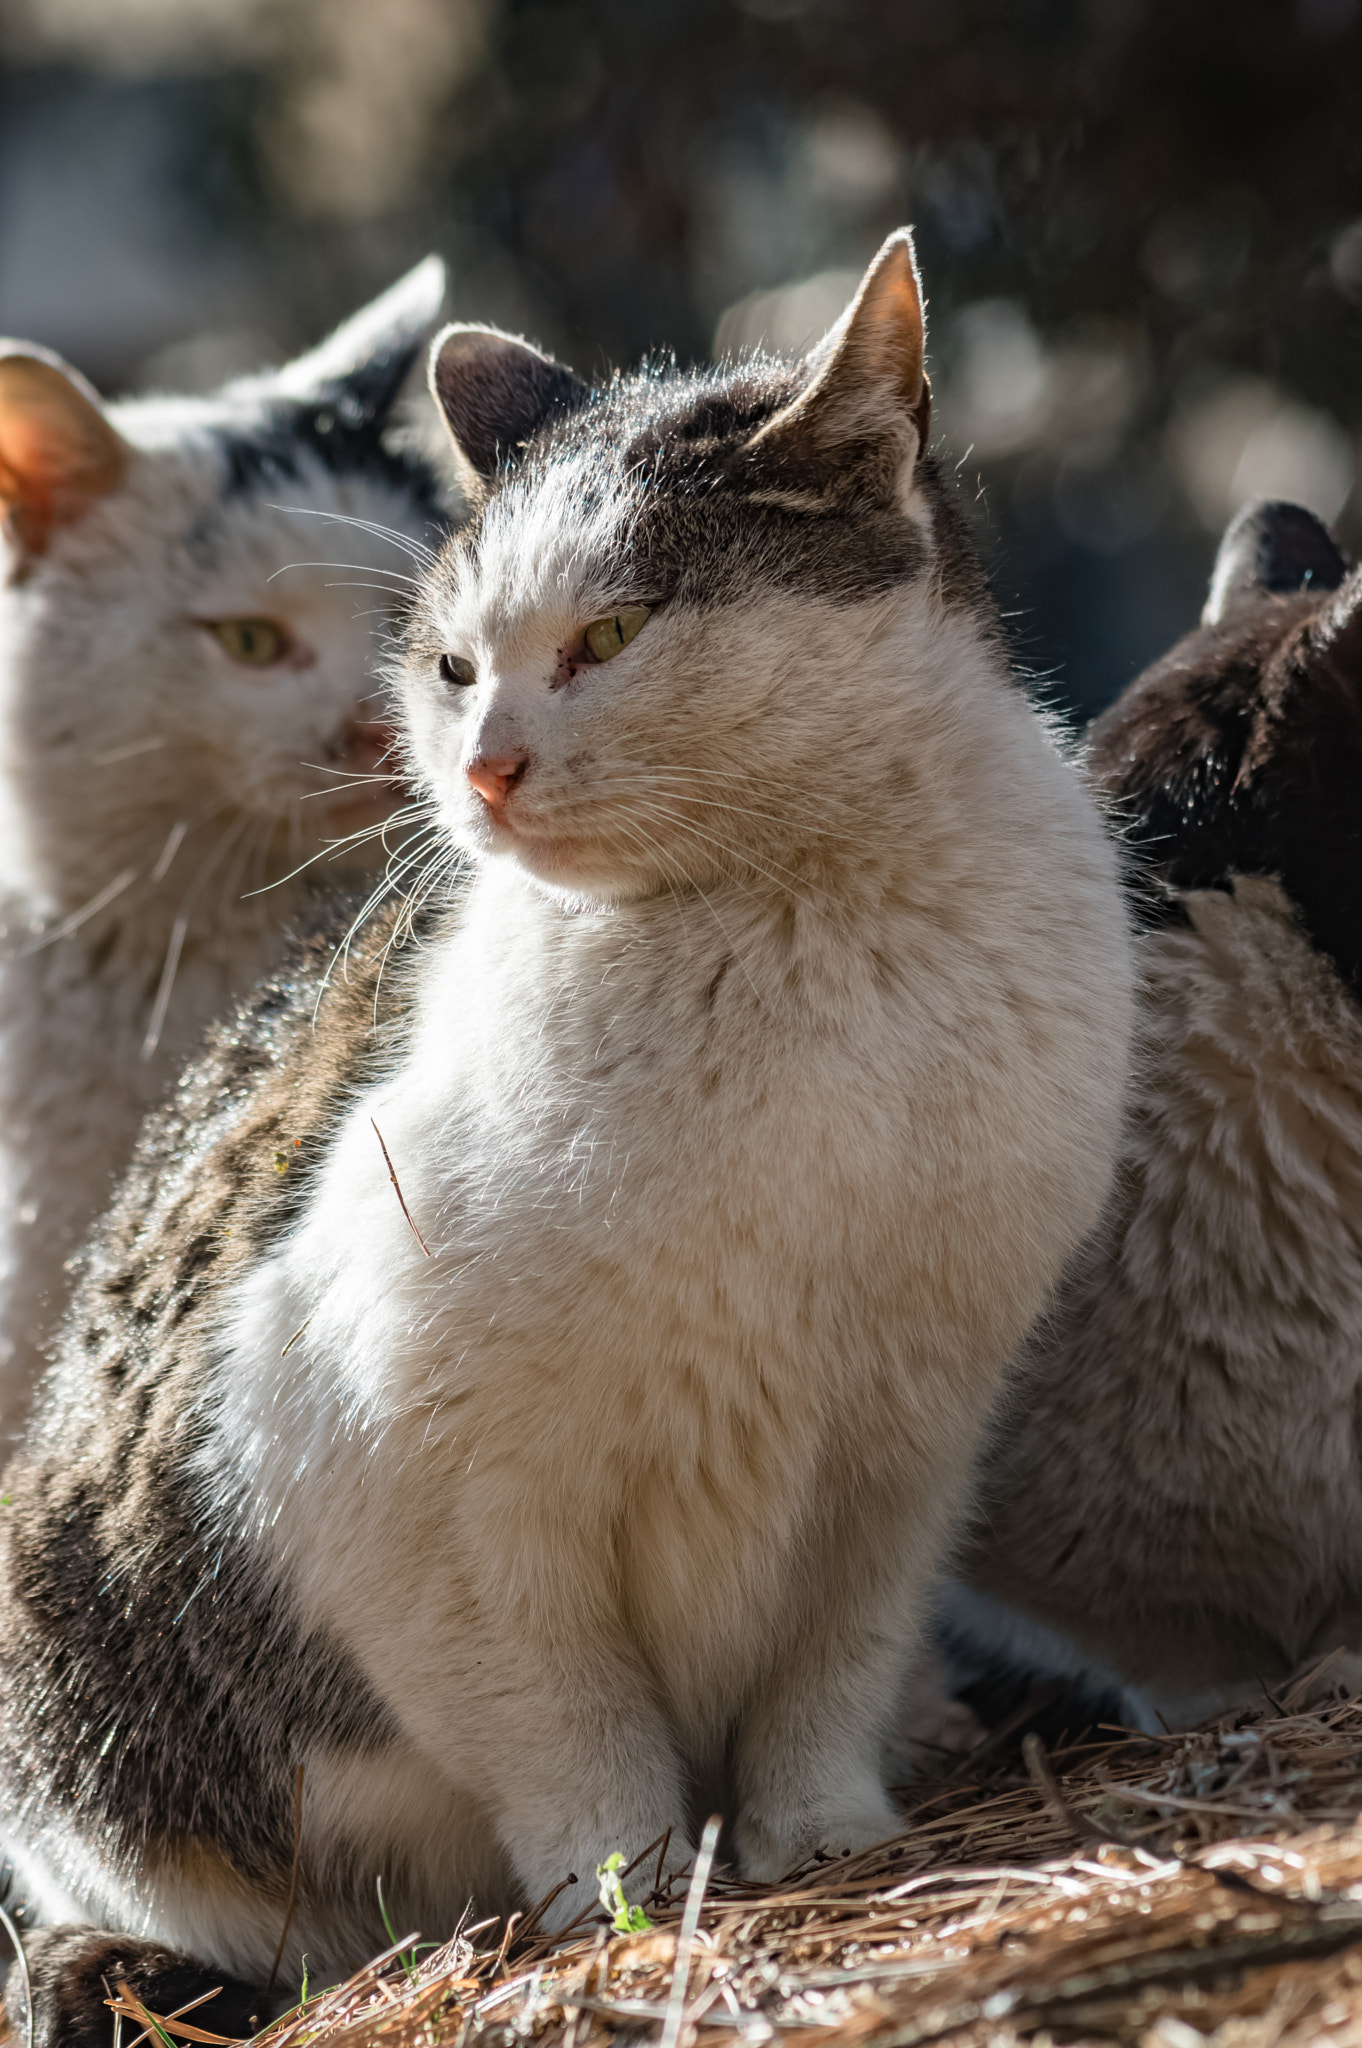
x=58 y=453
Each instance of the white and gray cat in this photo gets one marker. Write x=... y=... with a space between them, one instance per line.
x=162 y=685
x=579 y=1420
x=1174 y=1500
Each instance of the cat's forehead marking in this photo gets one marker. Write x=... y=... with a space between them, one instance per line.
x=645 y=493
x=288 y=442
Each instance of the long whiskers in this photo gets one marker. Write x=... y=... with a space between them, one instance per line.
x=331 y=849
x=99 y=901
x=226 y=840
x=635 y=830
x=777 y=874
x=416 y=549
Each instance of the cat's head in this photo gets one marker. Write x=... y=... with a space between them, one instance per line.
x=1240 y=752
x=682 y=635
x=180 y=632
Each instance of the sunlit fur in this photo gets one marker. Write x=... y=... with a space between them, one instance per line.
x=750 y=1111
x=148 y=783
x=748 y=1100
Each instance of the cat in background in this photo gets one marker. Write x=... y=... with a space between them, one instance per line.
x=744 y=1106
x=1173 y=1503
x=174 y=689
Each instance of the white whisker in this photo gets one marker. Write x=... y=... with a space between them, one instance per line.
x=161 y=1003
x=77 y=918
x=731 y=943
x=174 y=841
x=128 y=752
x=418 y=550
x=398 y=575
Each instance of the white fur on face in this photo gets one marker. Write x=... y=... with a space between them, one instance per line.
x=109 y=653
x=149 y=785
x=727 y=740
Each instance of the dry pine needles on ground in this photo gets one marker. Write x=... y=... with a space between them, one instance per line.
x=1164 y=1891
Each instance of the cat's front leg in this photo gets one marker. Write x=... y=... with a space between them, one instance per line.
x=587 y=1769
x=809 y=1757
x=809 y=1774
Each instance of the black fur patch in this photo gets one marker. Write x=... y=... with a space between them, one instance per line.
x=73 y=1970
x=1240 y=753
x=333 y=431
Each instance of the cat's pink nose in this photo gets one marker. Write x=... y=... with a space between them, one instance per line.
x=494 y=776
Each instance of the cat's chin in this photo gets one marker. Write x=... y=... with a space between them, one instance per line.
x=578 y=870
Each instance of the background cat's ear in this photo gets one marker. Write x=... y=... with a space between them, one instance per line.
x=1272 y=546
x=358 y=372
x=867 y=391
x=58 y=453
x=1337 y=632
x=495 y=391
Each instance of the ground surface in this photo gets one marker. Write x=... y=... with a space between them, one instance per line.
x=1166 y=1892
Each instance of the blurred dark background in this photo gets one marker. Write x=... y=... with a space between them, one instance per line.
x=1140 y=226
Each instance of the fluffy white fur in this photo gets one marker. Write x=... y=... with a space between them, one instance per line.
x=147 y=781
x=660 y=1446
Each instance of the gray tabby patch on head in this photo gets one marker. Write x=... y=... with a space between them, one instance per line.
x=199 y=595
x=799 y=476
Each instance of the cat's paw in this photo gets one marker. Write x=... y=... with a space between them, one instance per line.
x=71 y=1970
x=769 y=1848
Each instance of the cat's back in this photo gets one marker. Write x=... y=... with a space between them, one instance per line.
x=1177 y=1485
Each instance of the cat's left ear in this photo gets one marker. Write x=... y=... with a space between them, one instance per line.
x=358 y=372
x=867 y=404
x=58 y=453
x=495 y=391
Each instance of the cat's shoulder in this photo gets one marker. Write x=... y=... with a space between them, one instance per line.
x=221 y=1170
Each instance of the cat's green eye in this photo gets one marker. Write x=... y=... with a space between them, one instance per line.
x=254 y=643
x=608 y=636
x=458 y=671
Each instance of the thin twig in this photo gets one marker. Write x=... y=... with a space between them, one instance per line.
x=685 y=1940
x=536 y=1913
x=1083 y=1825
x=392 y=1175
x=294 y=1338
x=22 y=1960
x=293 y=1880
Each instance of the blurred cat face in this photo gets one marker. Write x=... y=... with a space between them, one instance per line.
x=188 y=662
x=200 y=594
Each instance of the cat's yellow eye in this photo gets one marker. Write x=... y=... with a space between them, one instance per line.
x=254 y=643
x=608 y=636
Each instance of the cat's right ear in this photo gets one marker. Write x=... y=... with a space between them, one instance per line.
x=495 y=391
x=1272 y=546
x=865 y=408
x=58 y=453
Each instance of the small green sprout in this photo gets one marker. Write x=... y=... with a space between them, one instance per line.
x=624 y=1918
x=408 y=1958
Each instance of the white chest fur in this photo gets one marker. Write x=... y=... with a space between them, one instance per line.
x=734 y=1207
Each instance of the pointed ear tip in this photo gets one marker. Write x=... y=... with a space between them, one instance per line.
x=895 y=268
x=427 y=280
x=43 y=370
